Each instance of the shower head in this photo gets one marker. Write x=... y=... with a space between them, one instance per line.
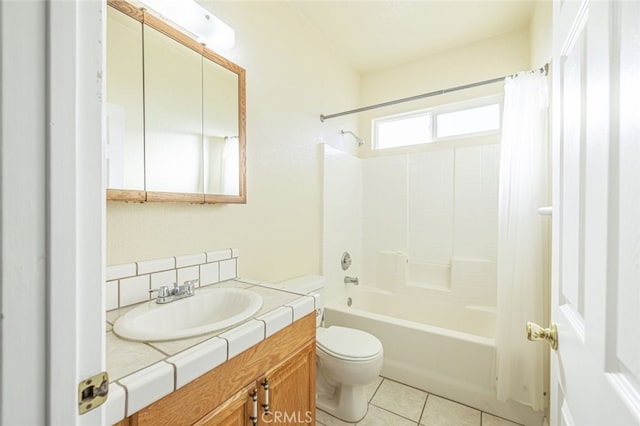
x=358 y=139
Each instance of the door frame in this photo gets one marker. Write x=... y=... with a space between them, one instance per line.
x=53 y=208
x=76 y=204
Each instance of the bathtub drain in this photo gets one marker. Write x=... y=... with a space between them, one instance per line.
x=349 y=301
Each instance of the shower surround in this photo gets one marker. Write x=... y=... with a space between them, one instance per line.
x=422 y=231
x=423 y=220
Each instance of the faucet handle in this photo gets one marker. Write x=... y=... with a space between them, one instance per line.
x=190 y=285
x=163 y=291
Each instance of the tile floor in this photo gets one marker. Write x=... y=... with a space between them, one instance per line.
x=395 y=404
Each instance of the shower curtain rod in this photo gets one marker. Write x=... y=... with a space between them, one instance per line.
x=323 y=117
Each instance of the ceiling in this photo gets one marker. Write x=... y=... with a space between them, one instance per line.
x=373 y=35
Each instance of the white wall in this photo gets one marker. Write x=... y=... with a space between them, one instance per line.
x=540 y=28
x=291 y=79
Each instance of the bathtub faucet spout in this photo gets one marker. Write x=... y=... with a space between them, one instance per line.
x=351 y=280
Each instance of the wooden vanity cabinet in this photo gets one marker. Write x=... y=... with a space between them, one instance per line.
x=235 y=411
x=290 y=403
x=290 y=400
x=223 y=396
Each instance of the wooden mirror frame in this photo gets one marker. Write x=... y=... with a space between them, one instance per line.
x=147 y=18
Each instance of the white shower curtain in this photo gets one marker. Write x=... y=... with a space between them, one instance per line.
x=523 y=273
x=231 y=165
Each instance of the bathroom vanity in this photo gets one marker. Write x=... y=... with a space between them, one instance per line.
x=273 y=382
x=263 y=368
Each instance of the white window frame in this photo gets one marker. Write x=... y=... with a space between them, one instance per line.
x=434 y=112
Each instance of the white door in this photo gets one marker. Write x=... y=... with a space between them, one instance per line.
x=595 y=373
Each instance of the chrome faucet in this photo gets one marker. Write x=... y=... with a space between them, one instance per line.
x=166 y=294
x=351 y=280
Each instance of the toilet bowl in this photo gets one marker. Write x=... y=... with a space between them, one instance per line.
x=347 y=360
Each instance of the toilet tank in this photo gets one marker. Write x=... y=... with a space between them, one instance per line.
x=311 y=285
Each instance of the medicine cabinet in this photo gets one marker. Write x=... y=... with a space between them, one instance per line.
x=175 y=114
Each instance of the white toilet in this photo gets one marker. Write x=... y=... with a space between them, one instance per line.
x=347 y=359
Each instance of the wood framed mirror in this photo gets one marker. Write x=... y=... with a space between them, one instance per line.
x=175 y=114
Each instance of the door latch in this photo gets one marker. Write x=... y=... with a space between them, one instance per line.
x=93 y=392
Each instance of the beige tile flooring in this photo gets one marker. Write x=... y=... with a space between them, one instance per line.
x=395 y=404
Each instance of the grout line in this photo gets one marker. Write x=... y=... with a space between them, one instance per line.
x=429 y=394
x=424 y=408
x=175 y=374
x=404 y=384
x=448 y=399
x=499 y=417
x=456 y=402
x=339 y=419
x=235 y=263
x=126 y=398
x=150 y=344
x=264 y=328
x=395 y=414
x=376 y=391
x=227 y=340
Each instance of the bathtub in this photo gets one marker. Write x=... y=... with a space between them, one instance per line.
x=433 y=343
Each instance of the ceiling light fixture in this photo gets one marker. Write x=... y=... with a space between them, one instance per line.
x=206 y=27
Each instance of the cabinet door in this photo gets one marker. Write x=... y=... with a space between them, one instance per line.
x=124 y=148
x=291 y=390
x=221 y=141
x=233 y=412
x=172 y=115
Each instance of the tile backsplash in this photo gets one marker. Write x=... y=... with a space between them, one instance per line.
x=130 y=283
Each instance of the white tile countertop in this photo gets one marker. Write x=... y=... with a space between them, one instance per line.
x=144 y=372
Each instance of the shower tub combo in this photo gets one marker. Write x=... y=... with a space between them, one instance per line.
x=434 y=343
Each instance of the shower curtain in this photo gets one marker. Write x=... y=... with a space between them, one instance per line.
x=523 y=271
x=231 y=165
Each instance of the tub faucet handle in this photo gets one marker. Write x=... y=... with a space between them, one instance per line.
x=351 y=280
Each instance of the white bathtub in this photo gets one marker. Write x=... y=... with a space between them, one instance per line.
x=432 y=343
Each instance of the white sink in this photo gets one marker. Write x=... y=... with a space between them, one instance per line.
x=208 y=310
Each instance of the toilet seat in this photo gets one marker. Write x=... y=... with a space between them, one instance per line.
x=348 y=344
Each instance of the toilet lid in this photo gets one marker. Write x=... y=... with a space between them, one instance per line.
x=348 y=343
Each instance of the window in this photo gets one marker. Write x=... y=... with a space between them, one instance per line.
x=468 y=121
x=473 y=118
x=403 y=130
